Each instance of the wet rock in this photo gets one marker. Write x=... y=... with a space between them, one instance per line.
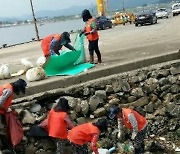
x=45 y=144
x=116 y=86
x=175 y=89
x=86 y=91
x=163 y=81
x=131 y=99
x=152 y=81
x=28 y=117
x=162 y=73
x=125 y=86
x=30 y=149
x=73 y=115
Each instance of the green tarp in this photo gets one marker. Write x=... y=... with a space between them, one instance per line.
x=69 y=62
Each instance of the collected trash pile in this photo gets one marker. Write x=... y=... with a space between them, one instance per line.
x=154 y=93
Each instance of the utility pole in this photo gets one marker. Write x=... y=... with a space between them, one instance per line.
x=34 y=18
x=123 y=6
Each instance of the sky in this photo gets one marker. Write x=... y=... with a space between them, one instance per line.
x=17 y=8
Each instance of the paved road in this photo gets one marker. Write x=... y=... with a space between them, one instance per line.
x=119 y=44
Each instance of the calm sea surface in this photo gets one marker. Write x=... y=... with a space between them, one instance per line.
x=24 y=33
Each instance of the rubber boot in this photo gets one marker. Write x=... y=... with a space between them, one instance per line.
x=99 y=58
x=91 y=59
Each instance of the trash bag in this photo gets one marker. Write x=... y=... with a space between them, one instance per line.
x=14 y=126
x=44 y=124
x=37 y=131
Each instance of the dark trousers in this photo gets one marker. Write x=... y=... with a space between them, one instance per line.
x=138 y=142
x=61 y=146
x=93 y=46
x=79 y=149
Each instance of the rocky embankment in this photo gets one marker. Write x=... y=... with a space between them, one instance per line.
x=155 y=92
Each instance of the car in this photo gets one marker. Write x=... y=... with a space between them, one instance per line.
x=176 y=9
x=162 y=13
x=103 y=22
x=145 y=17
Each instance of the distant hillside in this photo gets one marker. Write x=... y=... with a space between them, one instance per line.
x=165 y=1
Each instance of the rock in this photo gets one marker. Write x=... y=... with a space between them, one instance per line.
x=163 y=81
x=114 y=101
x=125 y=86
x=149 y=108
x=71 y=101
x=152 y=81
x=100 y=112
x=94 y=101
x=116 y=86
x=28 y=118
x=84 y=107
x=174 y=71
x=175 y=89
x=81 y=120
x=161 y=111
x=137 y=92
x=78 y=106
x=86 y=91
x=162 y=73
x=73 y=115
x=35 y=108
x=101 y=94
x=45 y=144
x=140 y=102
x=109 y=89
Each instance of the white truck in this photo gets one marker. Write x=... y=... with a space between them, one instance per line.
x=176 y=9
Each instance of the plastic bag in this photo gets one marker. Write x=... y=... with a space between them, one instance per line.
x=44 y=124
x=14 y=126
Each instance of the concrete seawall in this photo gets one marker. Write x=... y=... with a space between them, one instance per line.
x=52 y=83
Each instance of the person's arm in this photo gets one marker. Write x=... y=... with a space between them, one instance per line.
x=53 y=46
x=134 y=124
x=94 y=143
x=5 y=95
x=69 y=122
x=69 y=46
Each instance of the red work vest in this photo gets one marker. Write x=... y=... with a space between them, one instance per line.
x=82 y=134
x=9 y=100
x=57 y=126
x=141 y=121
x=88 y=28
x=45 y=43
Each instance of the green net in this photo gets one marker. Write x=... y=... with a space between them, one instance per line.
x=69 y=62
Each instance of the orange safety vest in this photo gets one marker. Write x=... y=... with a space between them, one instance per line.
x=82 y=134
x=9 y=100
x=88 y=28
x=45 y=43
x=57 y=126
x=141 y=121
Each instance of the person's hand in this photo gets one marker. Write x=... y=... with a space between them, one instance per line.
x=9 y=110
x=80 y=34
x=133 y=136
x=86 y=33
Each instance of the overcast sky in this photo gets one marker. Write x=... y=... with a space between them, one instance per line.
x=9 y=8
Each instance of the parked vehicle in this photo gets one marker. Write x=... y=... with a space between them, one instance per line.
x=162 y=13
x=103 y=22
x=145 y=17
x=176 y=9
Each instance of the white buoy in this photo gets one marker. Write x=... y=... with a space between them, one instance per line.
x=5 y=72
x=27 y=64
x=40 y=61
x=35 y=74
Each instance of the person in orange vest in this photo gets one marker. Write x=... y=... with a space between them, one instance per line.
x=6 y=96
x=92 y=36
x=58 y=122
x=133 y=121
x=80 y=135
x=53 y=43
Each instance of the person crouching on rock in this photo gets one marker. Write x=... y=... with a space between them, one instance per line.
x=133 y=121
x=80 y=135
x=7 y=92
x=58 y=122
x=53 y=43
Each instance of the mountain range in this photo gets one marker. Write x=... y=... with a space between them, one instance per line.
x=112 y=5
